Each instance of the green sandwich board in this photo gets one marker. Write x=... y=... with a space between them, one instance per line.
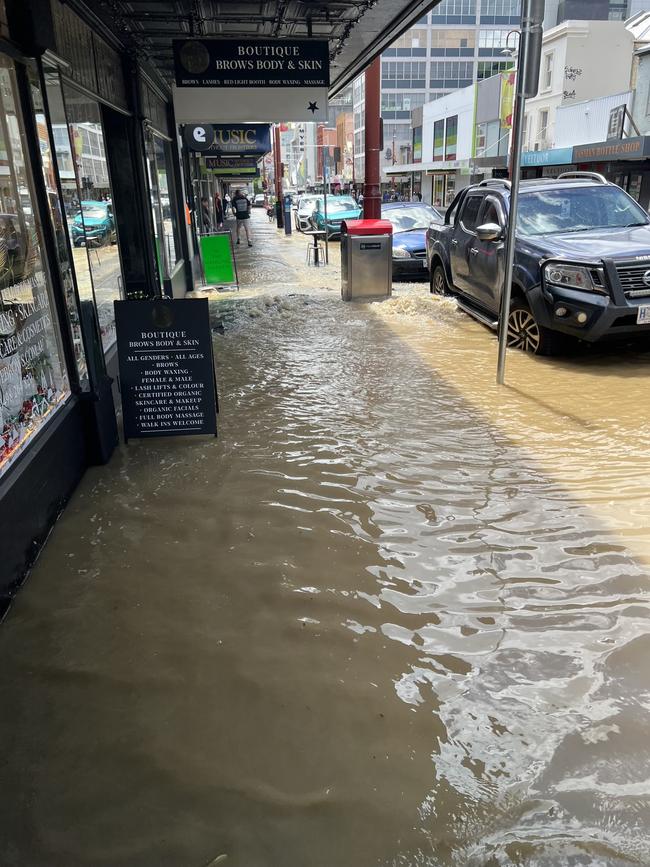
x=218 y=259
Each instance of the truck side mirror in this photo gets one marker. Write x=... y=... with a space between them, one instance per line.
x=489 y=232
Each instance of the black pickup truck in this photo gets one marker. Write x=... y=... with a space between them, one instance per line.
x=582 y=259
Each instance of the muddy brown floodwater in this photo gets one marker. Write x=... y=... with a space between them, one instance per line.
x=393 y=616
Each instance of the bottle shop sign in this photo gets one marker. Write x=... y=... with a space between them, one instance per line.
x=167 y=379
x=251 y=62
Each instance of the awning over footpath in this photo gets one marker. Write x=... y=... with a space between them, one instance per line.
x=357 y=30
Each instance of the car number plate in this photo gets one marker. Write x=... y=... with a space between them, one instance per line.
x=643 y=315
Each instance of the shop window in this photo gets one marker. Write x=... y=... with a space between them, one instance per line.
x=438 y=141
x=634 y=186
x=90 y=210
x=450 y=190
x=33 y=377
x=492 y=41
x=49 y=150
x=543 y=128
x=488 y=68
x=481 y=139
x=165 y=232
x=547 y=75
x=451 y=137
x=412 y=40
x=417 y=144
x=438 y=190
x=451 y=42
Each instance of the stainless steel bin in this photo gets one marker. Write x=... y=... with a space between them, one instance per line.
x=366 y=259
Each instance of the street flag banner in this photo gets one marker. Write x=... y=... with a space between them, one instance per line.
x=508 y=80
x=218 y=258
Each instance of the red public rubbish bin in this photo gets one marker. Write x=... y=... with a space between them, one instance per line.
x=366 y=259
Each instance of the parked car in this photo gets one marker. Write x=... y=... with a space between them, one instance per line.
x=93 y=225
x=410 y=222
x=306 y=207
x=259 y=201
x=582 y=259
x=339 y=208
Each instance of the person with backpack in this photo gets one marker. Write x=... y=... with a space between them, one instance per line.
x=242 y=209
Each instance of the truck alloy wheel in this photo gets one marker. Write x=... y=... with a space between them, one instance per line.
x=523 y=331
x=438 y=281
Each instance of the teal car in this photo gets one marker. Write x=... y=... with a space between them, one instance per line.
x=339 y=208
x=94 y=225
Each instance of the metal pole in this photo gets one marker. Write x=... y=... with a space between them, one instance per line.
x=277 y=155
x=527 y=76
x=372 y=190
x=326 y=162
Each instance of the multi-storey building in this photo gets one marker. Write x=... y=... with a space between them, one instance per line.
x=558 y=11
x=458 y=43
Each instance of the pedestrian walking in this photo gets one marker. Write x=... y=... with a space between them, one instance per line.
x=242 y=208
x=226 y=204
x=218 y=211
x=206 y=221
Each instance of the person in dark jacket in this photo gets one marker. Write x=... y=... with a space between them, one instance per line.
x=242 y=210
x=206 y=221
x=218 y=211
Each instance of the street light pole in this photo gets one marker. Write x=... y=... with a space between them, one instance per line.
x=530 y=52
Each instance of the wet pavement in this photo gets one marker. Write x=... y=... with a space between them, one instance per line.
x=394 y=615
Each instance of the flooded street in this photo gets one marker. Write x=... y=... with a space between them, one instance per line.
x=393 y=615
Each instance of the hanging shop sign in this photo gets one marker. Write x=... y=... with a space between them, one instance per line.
x=226 y=167
x=218 y=259
x=247 y=104
x=231 y=164
x=167 y=380
x=625 y=149
x=251 y=62
x=549 y=157
x=251 y=79
x=616 y=122
x=253 y=139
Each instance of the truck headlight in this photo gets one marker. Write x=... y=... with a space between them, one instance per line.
x=401 y=253
x=575 y=277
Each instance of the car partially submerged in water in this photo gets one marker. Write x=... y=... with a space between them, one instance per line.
x=581 y=267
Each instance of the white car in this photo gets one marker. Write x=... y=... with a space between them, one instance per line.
x=258 y=201
x=306 y=207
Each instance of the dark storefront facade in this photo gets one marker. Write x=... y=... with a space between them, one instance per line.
x=90 y=195
x=625 y=162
